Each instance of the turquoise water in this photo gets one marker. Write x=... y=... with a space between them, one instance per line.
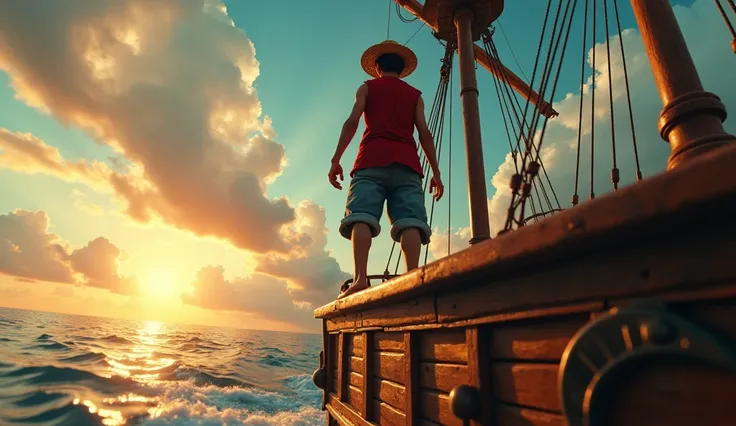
x=72 y=370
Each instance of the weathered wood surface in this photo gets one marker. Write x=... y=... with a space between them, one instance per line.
x=691 y=198
x=675 y=393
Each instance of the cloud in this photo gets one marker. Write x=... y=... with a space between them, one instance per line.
x=23 y=152
x=282 y=287
x=702 y=27
x=98 y=263
x=168 y=85
x=29 y=251
x=314 y=276
x=261 y=295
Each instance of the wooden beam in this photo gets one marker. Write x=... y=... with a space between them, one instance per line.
x=411 y=377
x=682 y=198
x=496 y=68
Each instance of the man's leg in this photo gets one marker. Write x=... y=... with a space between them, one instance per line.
x=361 y=239
x=411 y=245
x=407 y=214
x=366 y=195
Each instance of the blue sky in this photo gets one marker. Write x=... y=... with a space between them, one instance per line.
x=308 y=71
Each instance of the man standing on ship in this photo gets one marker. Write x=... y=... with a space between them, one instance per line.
x=387 y=167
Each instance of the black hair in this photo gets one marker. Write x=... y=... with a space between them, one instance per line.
x=390 y=62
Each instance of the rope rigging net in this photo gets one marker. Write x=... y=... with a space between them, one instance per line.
x=525 y=182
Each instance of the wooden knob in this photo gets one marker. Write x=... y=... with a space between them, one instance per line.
x=465 y=402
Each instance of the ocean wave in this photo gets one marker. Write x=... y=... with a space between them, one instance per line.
x=91 y=357
x=188 y=404
x=52 y=346
x=131 y=373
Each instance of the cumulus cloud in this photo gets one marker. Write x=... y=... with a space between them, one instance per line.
x=168 y=86
x=312 y=273
x=261 y=295
x=30 y=252
x=708 y=38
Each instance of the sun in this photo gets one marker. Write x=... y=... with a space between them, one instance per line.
x=160 y=283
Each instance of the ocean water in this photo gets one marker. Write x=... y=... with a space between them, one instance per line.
x=75 y=371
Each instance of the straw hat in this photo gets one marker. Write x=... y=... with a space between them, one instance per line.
x=368 y=60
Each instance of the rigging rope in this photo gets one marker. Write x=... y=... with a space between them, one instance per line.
x=592 y=111
x=575 y=198
x=388 y=25
x=401 y=16
x=614 y=170
x=522 y=183
x=507 y=97
x=725 y=17
x=503 y=33
x=628 y=92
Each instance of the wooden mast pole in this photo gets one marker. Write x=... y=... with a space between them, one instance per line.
x=497 y=69
x=691 y=118
x=479 y=225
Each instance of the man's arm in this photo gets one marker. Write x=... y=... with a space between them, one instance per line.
x=351 y=124
x=425 y=137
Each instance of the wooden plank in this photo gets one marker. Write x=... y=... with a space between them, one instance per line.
x=669 y=263
x=356 y=379
x=389 y=366
x=530 y=385
x=388 y=342
x=420 y=310
x=326 y=364
x=530 y=313
x=367 y=387
x=391 y=393
x=442 y=377
x=355 y=399
x=342 y=367
x=356 y=364
x=719 y=316
x=479 y=375
x=542 y=340
x=507 y=415
x=687 y=198
x=388 y=415
x=356 y=341
x=345 y=415
x=436 y=407
x=674 y=393
x=411 y=372
x=447 y=345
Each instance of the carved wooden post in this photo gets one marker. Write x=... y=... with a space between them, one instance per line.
x=691 y=118
x=471 y=120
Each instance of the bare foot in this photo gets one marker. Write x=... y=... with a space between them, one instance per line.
x=354 y=288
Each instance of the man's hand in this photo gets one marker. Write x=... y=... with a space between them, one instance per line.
x=335 y=171
x=437 y=187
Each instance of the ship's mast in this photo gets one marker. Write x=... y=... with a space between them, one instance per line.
x=460 y=23
x=691 y=118
x=427 y=14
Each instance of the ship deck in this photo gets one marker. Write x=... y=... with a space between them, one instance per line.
x=501 y=315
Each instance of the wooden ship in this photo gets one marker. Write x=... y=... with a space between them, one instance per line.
x=619 y=310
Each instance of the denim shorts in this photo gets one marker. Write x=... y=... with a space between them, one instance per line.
x=400 y=187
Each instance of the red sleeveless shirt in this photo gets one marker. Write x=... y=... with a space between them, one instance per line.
x=389 y=125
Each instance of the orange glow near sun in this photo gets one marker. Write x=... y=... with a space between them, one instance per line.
x=160 y=283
